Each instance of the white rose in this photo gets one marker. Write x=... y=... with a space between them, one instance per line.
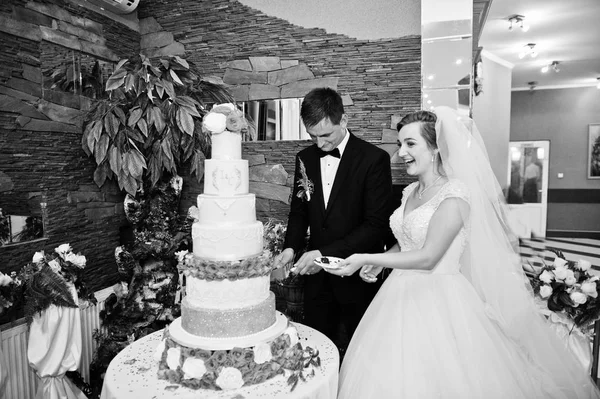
x=578 y=297
x=589 y=288
x=583 y=265
x=545 y=291
x=181 y=255
x=561 y=273
x=570 y=279
x=546 y=277
x=38 y=257
x=262 y=353
x=214 y=122
x=173 y=358
x=193 y=368
x=54 y=265
x=81 y=261
x=77 y=260
x=230 y=378
x=63 y=249
x=159 y=351
x=5 y=280
x=293 y=334
x=559 y=262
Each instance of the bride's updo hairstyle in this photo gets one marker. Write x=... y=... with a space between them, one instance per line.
x=427 y=122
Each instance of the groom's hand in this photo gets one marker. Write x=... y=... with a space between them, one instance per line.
x=284 y=258
x=306 y=263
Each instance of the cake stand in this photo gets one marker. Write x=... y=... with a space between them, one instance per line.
x=133 y=374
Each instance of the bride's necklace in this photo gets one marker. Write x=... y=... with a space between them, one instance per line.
x=420 y=194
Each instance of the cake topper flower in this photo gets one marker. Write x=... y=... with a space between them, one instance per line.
x=224 y=117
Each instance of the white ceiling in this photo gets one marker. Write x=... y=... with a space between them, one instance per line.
x=567 y=31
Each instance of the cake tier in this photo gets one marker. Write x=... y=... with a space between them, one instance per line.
x=184 y=338
x=226 y=210
x=225 y=177
x=227 y=242
x=226 y=323
x=226 y=294
x=226 y=145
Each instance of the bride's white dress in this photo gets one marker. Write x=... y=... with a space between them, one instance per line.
x=427 y=335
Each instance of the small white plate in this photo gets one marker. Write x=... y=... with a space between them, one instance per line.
x=331 y=262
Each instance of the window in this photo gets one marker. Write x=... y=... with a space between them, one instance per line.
x=275 y=119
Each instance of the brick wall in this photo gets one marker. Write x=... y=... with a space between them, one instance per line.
x=382 y=77
x=40 y=135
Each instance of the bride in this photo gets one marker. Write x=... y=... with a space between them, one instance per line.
x=455 y=318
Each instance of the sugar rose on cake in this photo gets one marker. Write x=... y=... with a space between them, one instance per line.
x=229 y=334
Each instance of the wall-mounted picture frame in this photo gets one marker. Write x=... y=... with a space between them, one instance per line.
x=593 y=164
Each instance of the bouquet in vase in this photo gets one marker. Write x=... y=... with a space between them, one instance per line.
x=567 y=289
x=11 y=287
x=51 y=278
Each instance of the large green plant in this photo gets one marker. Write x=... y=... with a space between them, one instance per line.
x=150 y=124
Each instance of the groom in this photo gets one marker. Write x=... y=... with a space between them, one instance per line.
x=342 y=195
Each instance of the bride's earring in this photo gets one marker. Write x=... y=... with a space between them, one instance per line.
x=433 y=158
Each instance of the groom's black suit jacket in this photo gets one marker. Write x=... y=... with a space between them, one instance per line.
x=356 y=219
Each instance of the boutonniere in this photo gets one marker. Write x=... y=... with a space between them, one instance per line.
x=307 y=186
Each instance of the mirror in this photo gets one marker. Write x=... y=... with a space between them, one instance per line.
x=74 y=72
x=275 y=119
x=17 y=228
x=446 y=49
x=23 y=219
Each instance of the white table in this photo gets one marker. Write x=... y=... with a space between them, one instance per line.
x=133 y=374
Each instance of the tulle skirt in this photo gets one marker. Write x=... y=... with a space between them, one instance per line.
x=428 y=336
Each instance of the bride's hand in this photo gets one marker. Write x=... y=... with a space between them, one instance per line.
x=369 y=273
x=349 y=265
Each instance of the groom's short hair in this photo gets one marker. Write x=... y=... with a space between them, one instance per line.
x=319 y=104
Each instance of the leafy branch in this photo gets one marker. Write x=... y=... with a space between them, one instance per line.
x=150 y=124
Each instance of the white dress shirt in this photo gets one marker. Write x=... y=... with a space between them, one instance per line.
x=329 y=167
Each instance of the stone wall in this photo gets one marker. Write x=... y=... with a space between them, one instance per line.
x=256 y=55
x=41 y=159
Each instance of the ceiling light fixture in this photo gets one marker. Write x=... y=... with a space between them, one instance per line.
x=528 y=50
x=518 y=20
x=532 y=85
x=553 y=65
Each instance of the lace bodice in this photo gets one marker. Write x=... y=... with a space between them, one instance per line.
x=411 y=229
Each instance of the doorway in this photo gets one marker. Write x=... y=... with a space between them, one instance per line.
x=527 y=194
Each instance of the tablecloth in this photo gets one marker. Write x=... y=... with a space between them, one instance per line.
x=133 y=374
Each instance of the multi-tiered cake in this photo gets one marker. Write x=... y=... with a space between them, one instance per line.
x=229 y=333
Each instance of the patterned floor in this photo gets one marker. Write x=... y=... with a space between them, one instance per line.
x=532 y=250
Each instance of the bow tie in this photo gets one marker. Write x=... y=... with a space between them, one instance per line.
x=334 y=153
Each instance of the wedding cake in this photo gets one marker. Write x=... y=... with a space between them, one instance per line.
x=229 y=333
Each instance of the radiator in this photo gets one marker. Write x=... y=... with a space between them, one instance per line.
x=22 y=380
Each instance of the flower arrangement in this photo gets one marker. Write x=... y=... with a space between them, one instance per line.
x=306 y=185
x=567 y=288
x=231 y=369
x=224 y=117
x=274 y=236
x=50 y=278
x=10 y=290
